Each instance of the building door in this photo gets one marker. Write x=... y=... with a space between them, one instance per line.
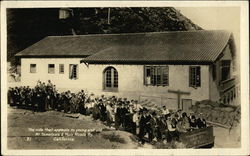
x=110 y=82
x=186 y=104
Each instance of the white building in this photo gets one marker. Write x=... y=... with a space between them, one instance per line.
x=199 y=64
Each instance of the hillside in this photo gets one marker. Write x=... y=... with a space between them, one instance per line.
x=27 y=26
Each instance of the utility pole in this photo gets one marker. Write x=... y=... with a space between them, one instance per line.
x=179 y=93
x=108 y=15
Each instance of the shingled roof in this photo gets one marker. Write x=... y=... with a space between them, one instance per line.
x=157 y=47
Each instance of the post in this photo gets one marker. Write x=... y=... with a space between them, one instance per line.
x=108 y=15
x=179 y=93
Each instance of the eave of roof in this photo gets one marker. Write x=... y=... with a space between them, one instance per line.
x=149 y=62
x=196 y=47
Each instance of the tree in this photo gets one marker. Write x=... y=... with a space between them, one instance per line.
x=27 y=26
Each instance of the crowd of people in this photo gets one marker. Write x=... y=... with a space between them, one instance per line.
x=120 y=113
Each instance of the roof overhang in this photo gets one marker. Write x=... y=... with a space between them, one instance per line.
x=137 y=62
x=51 y=56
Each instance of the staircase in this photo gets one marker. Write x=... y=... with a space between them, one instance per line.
x=229 y=92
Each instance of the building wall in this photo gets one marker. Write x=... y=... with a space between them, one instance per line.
x=130 y=79
x=214 y=87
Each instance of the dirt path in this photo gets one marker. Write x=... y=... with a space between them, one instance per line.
x=224 y=139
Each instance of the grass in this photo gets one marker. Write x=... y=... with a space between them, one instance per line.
x=114 y=138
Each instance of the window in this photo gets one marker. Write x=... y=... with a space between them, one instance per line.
x=110 y=79
x=51 y=68
x=61 y=68
x=73 y=71
x=214 y=74
x=225 y=70
x=32 y=68
x=156 y=75
x=195 y=76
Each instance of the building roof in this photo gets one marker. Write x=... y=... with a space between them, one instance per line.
x=157 y=47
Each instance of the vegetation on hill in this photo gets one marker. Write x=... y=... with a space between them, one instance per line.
x=27 y=26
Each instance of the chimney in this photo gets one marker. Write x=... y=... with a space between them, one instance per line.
x=66 y=17
x=65 y=13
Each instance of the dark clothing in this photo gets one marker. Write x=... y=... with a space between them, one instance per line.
x=144 y=126
x=201 y=123
x=123 y=113
x=173 y=135
x=103 y=112
x=118 y=115
x=161 y=129
x=153 y=128
x=193 y=124
x=96 y=112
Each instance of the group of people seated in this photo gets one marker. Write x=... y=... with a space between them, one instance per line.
x=147 y=123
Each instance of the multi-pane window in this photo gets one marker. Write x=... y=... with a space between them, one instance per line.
x=73 y=71
x=195 y=76
x=156 y=75
x=225 y=70
x=115 y=79
x=110 y=79
x=51 y=68
x=61 y=68
x=32 y=68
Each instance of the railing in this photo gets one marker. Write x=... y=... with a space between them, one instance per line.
x=228 y=91
x=227 y=85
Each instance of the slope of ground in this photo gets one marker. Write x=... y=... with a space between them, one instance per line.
x=19 y=136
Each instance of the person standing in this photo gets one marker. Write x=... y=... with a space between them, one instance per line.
x=142 y=125
x=123 y=115
x=135 y=122
x=11 y=96
x=171 y=129
x=40 y=100
x=109 y=112
x=165 y=111
x=118 y=116
x=34 y=100
x=152 y=126
x=162 y=128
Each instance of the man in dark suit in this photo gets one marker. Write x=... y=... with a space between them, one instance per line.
x=123 y=115
x=152 y=127
x=118 y=116
x=201 y=122
x=144 y=125
x=162 y=128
